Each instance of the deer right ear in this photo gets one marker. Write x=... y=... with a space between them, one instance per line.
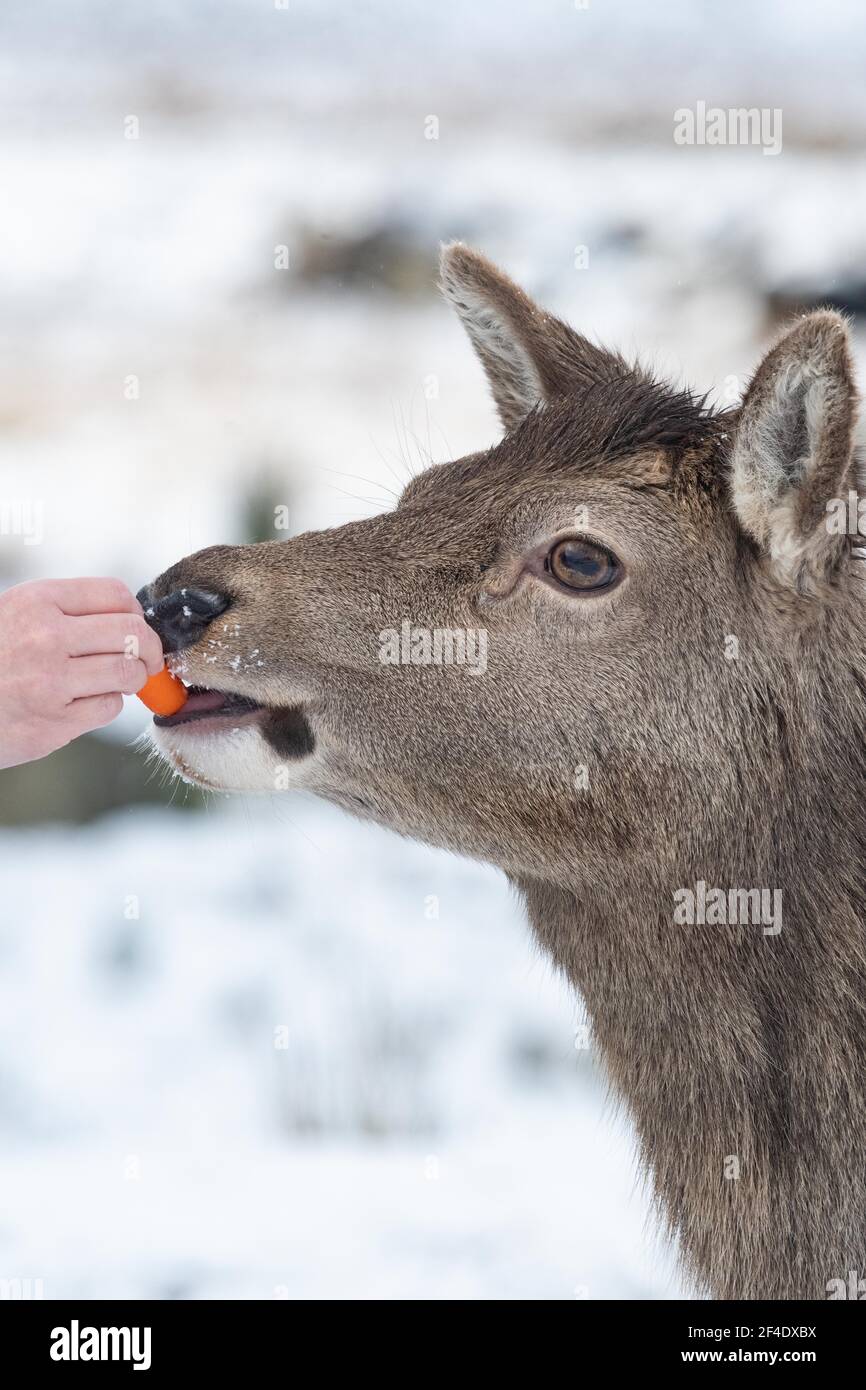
x=792 y=451
x=529 y=356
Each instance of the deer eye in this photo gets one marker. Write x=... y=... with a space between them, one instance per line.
x=583 y=565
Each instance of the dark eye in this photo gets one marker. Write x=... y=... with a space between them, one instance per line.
x=580 y=564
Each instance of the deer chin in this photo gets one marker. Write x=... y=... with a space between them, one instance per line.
x=228 y=742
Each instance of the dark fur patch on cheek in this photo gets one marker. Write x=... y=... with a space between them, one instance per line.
x=288 y=732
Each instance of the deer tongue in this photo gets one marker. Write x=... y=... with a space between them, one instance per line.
x=200 y=700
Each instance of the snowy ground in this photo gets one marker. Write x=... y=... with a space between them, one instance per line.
x=287 y=1074
x=426 y=1126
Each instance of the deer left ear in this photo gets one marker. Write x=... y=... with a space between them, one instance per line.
x=529 y=356
x=793 y=450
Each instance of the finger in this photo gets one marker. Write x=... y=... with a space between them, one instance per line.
x=125 y=633
x=95 y=711
x=104 y=675
x=82 y=596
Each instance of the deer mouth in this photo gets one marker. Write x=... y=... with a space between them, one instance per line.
x=285 y=728
x=205 y=705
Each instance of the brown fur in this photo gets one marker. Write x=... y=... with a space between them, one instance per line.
x=743 y=772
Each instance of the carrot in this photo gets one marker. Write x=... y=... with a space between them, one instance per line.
x=163 y=693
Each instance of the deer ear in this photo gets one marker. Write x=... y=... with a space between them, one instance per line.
x=529 y=356
x=792 y=451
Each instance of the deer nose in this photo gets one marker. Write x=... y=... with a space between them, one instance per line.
x=180 y=618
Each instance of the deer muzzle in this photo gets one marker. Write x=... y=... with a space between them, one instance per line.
x=181 y=617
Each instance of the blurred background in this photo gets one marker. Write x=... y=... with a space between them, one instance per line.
x=250 y=1048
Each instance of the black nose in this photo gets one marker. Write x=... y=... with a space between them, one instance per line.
x=180 y=618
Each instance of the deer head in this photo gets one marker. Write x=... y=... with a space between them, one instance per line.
x=618 y=654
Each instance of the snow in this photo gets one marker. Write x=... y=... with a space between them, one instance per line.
x=242 y=1056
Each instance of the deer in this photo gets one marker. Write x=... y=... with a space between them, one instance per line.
x=671 y=716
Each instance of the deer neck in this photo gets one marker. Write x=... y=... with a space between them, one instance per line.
x=741 y=1053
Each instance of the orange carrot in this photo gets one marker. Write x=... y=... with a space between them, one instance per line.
x=163 y=693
